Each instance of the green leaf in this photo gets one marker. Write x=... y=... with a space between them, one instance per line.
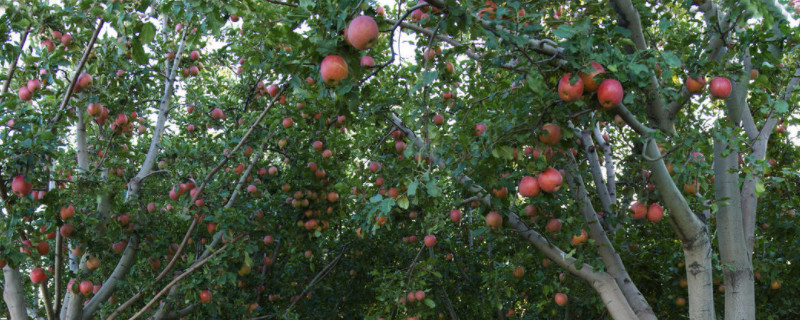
x=430 y=76
x=430 y=303
x=433 y=189
x=402 y=202
x=412 y=188
x=148 y=33
x=781 y=106
x=138 y=52
x=376 y=198
x=564 y=31
x=672 y=60
x=759 y=188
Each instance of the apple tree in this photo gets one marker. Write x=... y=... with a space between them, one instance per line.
x=384 y=160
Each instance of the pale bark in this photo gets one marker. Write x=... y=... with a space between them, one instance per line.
x=120 y=271
x=693 y=234
x=614 y=265
x=150 y=159
x=13 y=294
x=737 y=268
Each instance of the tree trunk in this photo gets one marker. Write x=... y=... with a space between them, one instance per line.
x=737 y=268
x=699 y=278
x=13 y=294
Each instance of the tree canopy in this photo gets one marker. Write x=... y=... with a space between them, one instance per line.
x=445 y=159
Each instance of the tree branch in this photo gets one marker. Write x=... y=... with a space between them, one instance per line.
x=13 y=67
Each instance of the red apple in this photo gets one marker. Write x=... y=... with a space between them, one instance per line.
x=494 y=220
x=553 y=225
x=34 y=85
x=362 y=33
x=519 y=271
x=438 y=119
x=85 y=287
x=588 y=78
x=194 y=55
x=580 y=239
x=455 y=215
x=720 y=87
x=367 y=61
x=374 y=166
x=639 y=210
x=217 y=113
x=551 y=134
x=25 y=94
x=655 y=213
x=480 y=128
x=205 y=296
x=529 y=187
x=38 y=276
x=570 y=91
x=333 y=69
x=610 y=93
x=67 y=212
x=20 y=187
x=273 y=170
x=550 y=180
x=430 y=240
x=695 y=85
x=66 y=40
x=561 y=299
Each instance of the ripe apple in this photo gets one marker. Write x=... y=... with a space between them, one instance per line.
x=655 y=213
x=20 y=187
x=85 y=287
x=333 y=69
x=374 y=166
x=362 y=33
x=327 y=153
x=610 y=93
x=84 y=81
x=588 y=78
x=580 y=239
x=720 y=87
x=273 y=170
x=480 y=128
x=570 y=92
x=455 y=215
x=695 y=85
x=194 y=55
x=550 y=180
x=494 y=220
x=49 y=45
x=217 y=113
x=66 y=39
x=66 y=230
x=38 y=276
x=419 y=295
x=25 y=94
x=639 y=210
x=753 y=74
x=205 y=296
x=288 y=122
x=561 y=299
x=399 y=145
x=680 y=301
x=551 y=135
x=554 y=225
x=381 y=11
x=367 y=61
x=448 y=67
x=34 y=85
x=519 y=271
x=430 y=240
x=438 y=119
x=43 y=248
x=529 y=187
x=67 y=212
x=252 y=189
